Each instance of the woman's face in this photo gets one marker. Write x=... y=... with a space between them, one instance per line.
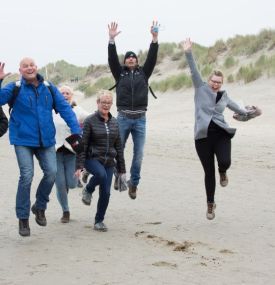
x=215 y=83
x=67 y=94
x=104 y=104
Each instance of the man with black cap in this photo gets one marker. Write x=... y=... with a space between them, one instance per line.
x=132 y=98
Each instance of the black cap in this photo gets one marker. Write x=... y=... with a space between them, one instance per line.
x=130 y=54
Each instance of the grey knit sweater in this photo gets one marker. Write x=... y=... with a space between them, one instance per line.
x=206 y=108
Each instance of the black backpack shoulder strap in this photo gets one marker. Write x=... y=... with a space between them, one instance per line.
x=49 y=86
x=149 y=87
x=15 y=93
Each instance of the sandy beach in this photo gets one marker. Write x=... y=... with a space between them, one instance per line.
x=162 y=237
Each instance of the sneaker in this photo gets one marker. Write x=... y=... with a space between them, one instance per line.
x=223 y=179
x=210 y=214
x=101 y=227
x=86 y=197
x=24 y=228
x=132 y=190
x=40 y=217
x=116 y=183
x=79 y=184
x=65 y=218
x=85 y=176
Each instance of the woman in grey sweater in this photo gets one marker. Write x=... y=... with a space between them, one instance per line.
x=212 y=133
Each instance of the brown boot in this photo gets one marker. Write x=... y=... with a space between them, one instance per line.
x=65 y=218
x=132 y=190
x=210 y=214
x=223 y=179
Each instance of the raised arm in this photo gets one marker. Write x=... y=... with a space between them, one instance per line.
x=196 y=77
x=112 y=52
x=151 y=58
x=3 y=75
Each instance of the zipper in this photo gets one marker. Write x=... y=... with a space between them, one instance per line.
x=107 y=141
x=132 y=88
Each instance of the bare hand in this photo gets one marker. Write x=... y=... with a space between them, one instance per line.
x=187 y=45
x=113 y=32
x=78 y=173
x=2 y=72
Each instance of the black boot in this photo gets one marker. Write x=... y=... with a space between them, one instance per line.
x=39 y=216
x=24 y=228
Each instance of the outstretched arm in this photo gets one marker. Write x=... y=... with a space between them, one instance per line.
x=112 y=53
x=196 y=77
x=2 y=72
x=151 y=58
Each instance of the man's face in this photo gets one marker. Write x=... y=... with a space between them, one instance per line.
x=28 y=69
x=131 y=62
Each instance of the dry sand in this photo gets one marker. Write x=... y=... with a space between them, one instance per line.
x=163 y=237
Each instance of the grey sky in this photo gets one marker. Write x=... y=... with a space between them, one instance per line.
x=76 y=30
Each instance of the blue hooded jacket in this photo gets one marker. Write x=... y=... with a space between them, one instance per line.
x=31 y=120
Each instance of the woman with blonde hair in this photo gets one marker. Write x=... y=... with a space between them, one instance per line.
x=65 y=155
x=102 y=150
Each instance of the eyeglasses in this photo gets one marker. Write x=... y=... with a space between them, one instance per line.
x=216 y=82
x=106 y=103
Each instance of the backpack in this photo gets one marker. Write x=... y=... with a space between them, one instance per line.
x=16 y=91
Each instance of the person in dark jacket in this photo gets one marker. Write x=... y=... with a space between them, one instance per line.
x=32 y=132
x=102 y=150
x=132 y=98
x=3 y=122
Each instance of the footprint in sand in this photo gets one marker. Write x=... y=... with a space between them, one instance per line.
x=165 y=264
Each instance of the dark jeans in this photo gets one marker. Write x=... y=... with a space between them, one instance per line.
x=216 y=144
x=102 y=176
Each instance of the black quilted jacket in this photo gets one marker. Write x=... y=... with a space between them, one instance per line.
x=101 y=141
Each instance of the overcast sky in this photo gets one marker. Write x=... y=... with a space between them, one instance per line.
x=76 y=30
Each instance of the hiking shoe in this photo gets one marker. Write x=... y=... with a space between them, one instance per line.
x=86 y=197
x=101 y=227
x=223 y=179
x=132 y=190
x=24 y=228
x=210 y=214
x=79 y=184
x=85 y=176
x=40 y=217
x=65 y=218
x=116 y=183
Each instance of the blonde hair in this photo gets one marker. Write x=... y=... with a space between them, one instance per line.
x=104 y=93
x=68 y=88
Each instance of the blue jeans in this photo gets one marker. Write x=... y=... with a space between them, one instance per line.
x=102 y=176
x=65 y=177
x=137 y=128
x=47 y=161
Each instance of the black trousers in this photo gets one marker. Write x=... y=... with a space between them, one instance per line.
x=216 y=144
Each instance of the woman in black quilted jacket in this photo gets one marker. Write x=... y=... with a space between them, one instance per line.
x=102 y=150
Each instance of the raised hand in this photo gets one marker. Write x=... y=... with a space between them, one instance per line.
x=187 y=45
x=155 y=30
x=113 y=32
x=2 y=72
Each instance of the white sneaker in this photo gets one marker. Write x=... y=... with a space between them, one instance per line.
x=210 y=213
x=101 y=227
x=86 y=197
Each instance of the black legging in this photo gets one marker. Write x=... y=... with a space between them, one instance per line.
x=217 y=143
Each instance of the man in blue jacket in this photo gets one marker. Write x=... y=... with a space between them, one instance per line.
x=32 y=132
